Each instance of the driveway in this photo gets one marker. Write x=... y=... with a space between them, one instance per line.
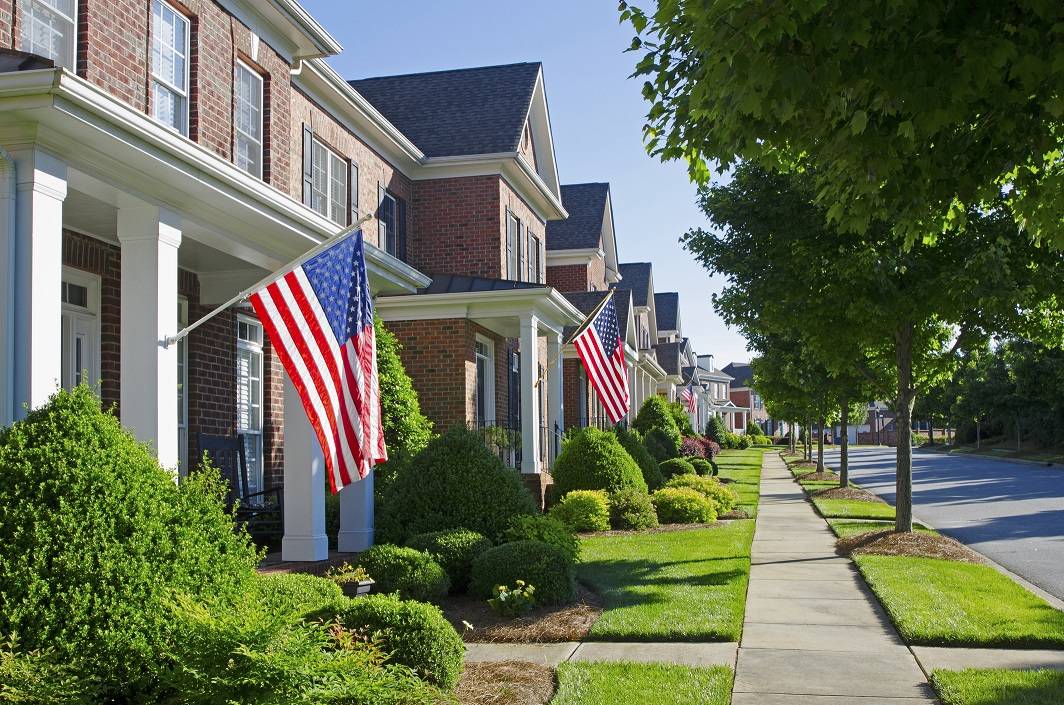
x=1011 y=512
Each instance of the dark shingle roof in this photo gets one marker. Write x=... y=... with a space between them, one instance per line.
x=669 y=357
x=459 y=112
x=667 y=310
x=586 y=301
x=451 y=284
x=14 y=60
x=742 y=373
x=586 y=205
x=635 y=276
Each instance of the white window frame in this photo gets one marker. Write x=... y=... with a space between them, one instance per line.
x=34 y=13
x=513 y=247
x=489 y=384
x=389 y=241
x=255 y=168
x=323 y=196
x=253 y=438
x=91 y=310
x=182 y=93
x=533 y=256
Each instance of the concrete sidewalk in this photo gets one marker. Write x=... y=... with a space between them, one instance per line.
x=813 y=632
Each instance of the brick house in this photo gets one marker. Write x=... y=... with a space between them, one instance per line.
x=650 y=376
x=743 y=395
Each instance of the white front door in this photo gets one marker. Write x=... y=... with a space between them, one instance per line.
x=80 y=329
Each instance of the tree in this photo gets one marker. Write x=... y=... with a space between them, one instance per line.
x=910 y=112
x=896 y=312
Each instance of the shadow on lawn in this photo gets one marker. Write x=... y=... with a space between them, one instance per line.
x=618 y=576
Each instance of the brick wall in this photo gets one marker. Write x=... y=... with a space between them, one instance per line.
x=569 y=277
x=573 y=371
x=510 y=201
x=459 y=229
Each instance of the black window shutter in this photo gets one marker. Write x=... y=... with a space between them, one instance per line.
x=352 y=192
x=520 y=260
x=308 y=164
x=382 y=226
x=400 y=216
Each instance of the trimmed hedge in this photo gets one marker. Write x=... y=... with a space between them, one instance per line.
x=454 y=550
x=663 y=443
x=537 y=527
x=692 y=447
x=415 y=575
x=702 y=466
x=723 y=498
x=539 y=564
x=595 y=460
x=583 y=510
x=682 y=418
x=632 y=441
x=415 y=633
x=455 y=482
x=676 y=466
x=632 y=510
x=655 y=413
x=296 y=593
x=680 y=505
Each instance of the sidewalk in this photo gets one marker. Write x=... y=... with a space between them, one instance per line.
x=813 y=633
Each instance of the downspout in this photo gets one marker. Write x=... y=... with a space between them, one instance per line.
x=7 y=287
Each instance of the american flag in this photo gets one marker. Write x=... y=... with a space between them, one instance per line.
x=688 y=395
x=319 y=317
x=600 y=348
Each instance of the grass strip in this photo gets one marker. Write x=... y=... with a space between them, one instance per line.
x=744 y=468
x=844 y=529
x=999 y=687
x=852 y=509
x=624 y=683
x=939 y=602
x=670 y=586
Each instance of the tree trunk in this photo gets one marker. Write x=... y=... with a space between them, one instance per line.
x=978 y=435
x=1019 y=435
x=931 y=432
x=844 y=445
x=820 y=445
x=903 y=428
x=808 y=443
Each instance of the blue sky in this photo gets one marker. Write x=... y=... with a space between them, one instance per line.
x=596 y=114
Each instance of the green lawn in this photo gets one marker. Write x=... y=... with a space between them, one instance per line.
x=948 y=603
x=670 y=586
x=990 y=687
x=845 y=529
x=588 y=683
x=744 y=467
x=852 y=509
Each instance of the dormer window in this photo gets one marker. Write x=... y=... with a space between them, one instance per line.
x=48 y=28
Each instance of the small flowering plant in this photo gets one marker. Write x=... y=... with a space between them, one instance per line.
x=512 y=603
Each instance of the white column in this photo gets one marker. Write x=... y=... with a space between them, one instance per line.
x=8 y=190
x=304 y=484
x=40 y=189
x=555 y=393
x=356 y=516
x=150 y=238
x=529 y=394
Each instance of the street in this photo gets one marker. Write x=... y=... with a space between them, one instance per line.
x=1011 y=512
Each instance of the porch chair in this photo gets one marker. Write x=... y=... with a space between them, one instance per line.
x=262 y=513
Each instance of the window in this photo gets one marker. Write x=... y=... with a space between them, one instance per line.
x=48 y=28
x=328 y=183
x=80 y=329
x=249 y=395
x=247 y=119
x=513 y=246
x=387 y=220
x=485 y=401
x=533 y=258
x=169 y=66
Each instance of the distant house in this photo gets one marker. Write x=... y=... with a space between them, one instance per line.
x=742 y=394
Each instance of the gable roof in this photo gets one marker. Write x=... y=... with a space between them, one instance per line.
x=635 y=276
x=667 y=309
x=586 y=204
x=459 y=112
x=669 y=357
x=741 y=371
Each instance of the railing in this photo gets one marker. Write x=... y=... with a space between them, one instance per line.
x=503 y=438
x=602 y=423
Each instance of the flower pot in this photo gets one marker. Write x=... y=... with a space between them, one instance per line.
x=356 y=588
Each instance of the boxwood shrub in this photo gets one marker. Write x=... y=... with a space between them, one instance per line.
x=537 y=527
x=583 y=510
x=296 y=593
x=454 y=483
x=723 y=498
x=630 y=509
x=454 y=550
x=415 y=633
x=415 y=575
x=680 y=505
x=662 y=443
x=595 y=460
x=655 y=413
x=702 y=466
x=676 y=466
x=541 y=565
x=632 y=441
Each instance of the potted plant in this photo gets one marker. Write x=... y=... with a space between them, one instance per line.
x=355 y=582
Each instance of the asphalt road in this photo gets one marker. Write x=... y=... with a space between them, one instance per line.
x=1011 y=512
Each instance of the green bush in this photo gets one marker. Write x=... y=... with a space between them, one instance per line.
x=632 y=441
x=745 y=442
x=583 y=510
x=455 y=482
x=415 y=575
x=663 y=443
x=296 y=593
x=632 y=510
x=723 y=498
x=96 y=536
x=678 y=410
x=655 y=413
x=680 y=505
x=734 y=440
x=454 y=550
x=244 y=652
x=676 y=466
x=595 y=460
x=702 y=466
x=415 y=633
x=536 y=527
x=716 y=431
x=752 y=429
x=538 y=564
x=36 y=677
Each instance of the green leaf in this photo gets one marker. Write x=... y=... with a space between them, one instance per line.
x=859 y=122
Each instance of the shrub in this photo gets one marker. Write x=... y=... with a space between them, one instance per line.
x=712 y=448
x=752 y=429
x=731 y=440
x=676 y=466
x=513 y=602
x=96 y=535
x=595 y=460
x=455 y=482
x=536 y=527
x=692 y=447
x=716 y=431
x=415 y=633
x=680 y=505
x=663 y=443
x=745 y=442
x=678 y=411
x=583 y=510
x=37 y=677
x=535 y=562
x=454 y=550
x=702 y=466
x=415 y=575
x=632 y=442
x=633 y=510
x=296 y=593
x=654 y=413
x=723 y=498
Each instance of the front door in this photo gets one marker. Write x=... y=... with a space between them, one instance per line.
x=80 y=330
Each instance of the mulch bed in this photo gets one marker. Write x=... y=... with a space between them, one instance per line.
x=825 y=476
x=848 y=493
x=890 y=543
x=735 y=514
x=548 y=624
x=660 y=529
x=506 y=683
x=801 y=464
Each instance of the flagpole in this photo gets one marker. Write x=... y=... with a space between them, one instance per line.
x=342 y=235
